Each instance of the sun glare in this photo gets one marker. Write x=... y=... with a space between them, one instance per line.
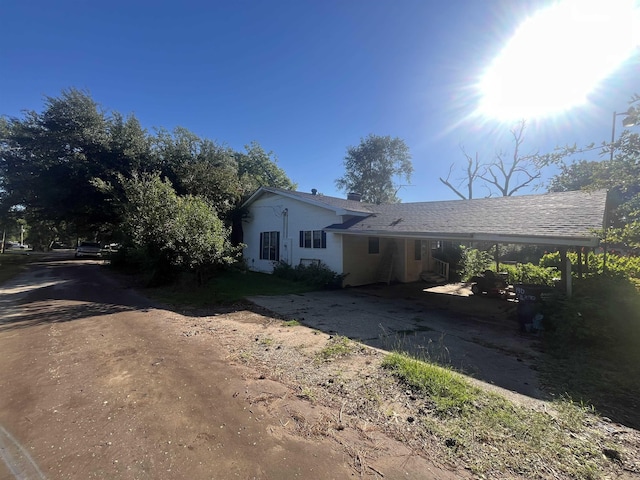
x=558 y=56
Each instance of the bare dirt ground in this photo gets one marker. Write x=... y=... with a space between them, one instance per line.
x=98 y=382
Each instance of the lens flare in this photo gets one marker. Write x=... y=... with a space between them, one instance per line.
x=558 y=56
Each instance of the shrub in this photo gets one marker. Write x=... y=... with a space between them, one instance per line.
x=318 y=275
x=176 y=233
x=474 y=262
x=617 y=265
x=602 y=312
x=529 y=273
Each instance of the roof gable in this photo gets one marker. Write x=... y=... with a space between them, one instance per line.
x=339 y=205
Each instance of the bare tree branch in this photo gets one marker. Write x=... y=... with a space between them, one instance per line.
x=472 y=174
x=448 y=184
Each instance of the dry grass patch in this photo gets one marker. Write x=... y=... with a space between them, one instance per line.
x=495 y=437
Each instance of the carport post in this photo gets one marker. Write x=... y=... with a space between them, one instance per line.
x=580 y=262
x=568 y=283
x=565 y=270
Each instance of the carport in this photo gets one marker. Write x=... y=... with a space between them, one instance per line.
x=560 y=220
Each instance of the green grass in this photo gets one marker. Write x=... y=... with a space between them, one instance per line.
x=338 y=346
x=227 y=288
x=13 y=263
x=449 y=391
x=492 y=434
x=291 y=323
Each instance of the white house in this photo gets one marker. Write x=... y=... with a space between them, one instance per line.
x=372 y=243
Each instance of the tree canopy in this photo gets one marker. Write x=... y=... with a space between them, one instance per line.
x=620 y=175
x=171 y=231
x=60 y=167
x=372 y=167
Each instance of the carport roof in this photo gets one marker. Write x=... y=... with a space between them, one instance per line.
x=563 y=218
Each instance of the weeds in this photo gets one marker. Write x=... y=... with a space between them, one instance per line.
x=338 y=346
x=318 y=276
x=291 y=323
x=307 y=394
x=474 y=425
x=227 y=287
x=409 y=341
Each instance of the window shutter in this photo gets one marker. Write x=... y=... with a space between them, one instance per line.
x=277 y=259
x=301 y=239
x=261 y=245
x=324 y=239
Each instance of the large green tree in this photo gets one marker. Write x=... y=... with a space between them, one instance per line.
x=620 y=175
x=257 y=168
x=375 y=167
x=49 y=161
x=60 y=167
x=197 y=166
x=173 y=232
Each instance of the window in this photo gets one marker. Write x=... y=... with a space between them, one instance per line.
x=374 y=245
x=270 y=246
x=317 y=239
x=313 y=239
x=418 y=250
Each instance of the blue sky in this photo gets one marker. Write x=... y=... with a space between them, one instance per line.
x=305 y=79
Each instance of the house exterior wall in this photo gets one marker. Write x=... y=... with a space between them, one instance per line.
x=273 y=212
x=363 y=268
x=345 y=254
x=399 y=246
x=360 y=266
x=414 y=267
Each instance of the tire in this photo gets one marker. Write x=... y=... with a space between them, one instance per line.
x=475 y=289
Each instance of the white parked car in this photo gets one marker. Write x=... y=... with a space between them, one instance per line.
x=88 y=249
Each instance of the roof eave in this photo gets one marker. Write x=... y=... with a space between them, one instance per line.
x=569 y=241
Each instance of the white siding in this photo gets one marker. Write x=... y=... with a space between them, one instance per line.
x=273 y=212
x=344 y=254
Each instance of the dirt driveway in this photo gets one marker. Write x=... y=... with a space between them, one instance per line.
x=476 y=335
x=98 y=382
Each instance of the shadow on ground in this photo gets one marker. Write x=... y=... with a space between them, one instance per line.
x=478 y=336
x=56 y=289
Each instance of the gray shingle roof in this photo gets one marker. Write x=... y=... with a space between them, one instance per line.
x=562 y=215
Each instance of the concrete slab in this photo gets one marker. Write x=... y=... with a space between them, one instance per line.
x=488 y=351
